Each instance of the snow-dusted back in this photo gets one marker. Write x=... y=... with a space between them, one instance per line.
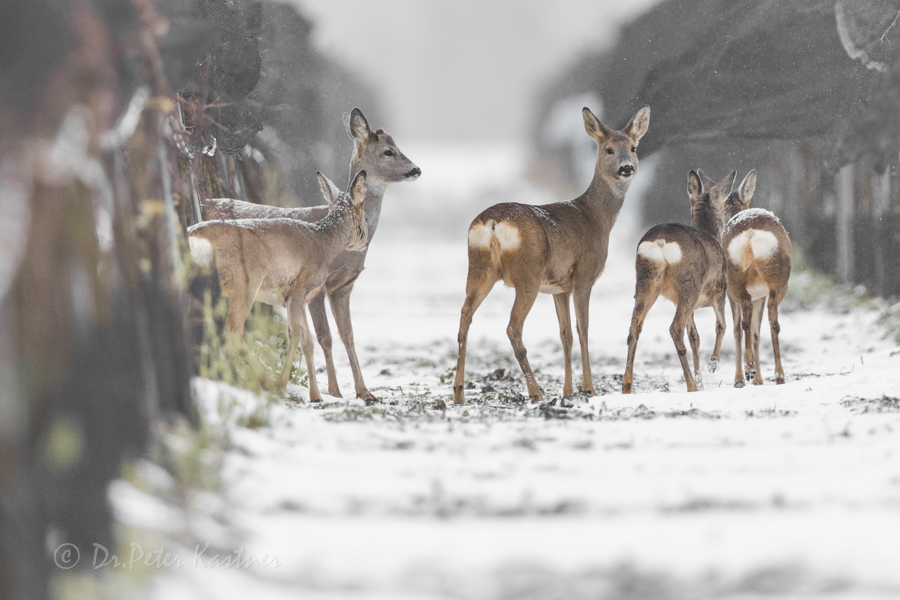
x=750 y=213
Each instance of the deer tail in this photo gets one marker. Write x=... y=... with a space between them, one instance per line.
x=748 y=257
x=491 y=226
x=202 y=251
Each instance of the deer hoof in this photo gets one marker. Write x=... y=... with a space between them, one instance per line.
x=779 y=379
x=713 y=364
x=750 y=374
x=626 y=388
x=372 y=401
x=739 y=383
x=366 y=395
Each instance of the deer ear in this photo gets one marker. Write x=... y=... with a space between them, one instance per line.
x=356 y=125
x=329 y=190
x=358 y=188
x=721 y=190
x=639 y=124
x=707 y=181
x=695 y=186
x=748 y=186
x=593 y=126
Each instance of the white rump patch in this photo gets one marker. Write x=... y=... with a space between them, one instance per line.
x=763 y=244
x=508 y=236
x=480 y=235
x=201 y=251
x=660 y=251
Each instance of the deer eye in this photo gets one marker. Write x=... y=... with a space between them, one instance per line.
x=609 y=150
x=388 y=153
x=634 y=148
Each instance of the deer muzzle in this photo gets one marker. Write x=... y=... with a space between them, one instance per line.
x=413 y=174
x=626 y=171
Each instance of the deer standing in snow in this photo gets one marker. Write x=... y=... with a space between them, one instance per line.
x=557 y=249
x=687 y=266
x=758 y=252
x=282 y=261
x=376 y=153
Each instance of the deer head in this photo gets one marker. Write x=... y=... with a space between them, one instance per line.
x=377 y=152
x=739 y=200
x=617 y=159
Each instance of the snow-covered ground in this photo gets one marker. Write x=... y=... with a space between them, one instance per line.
x=788 y=491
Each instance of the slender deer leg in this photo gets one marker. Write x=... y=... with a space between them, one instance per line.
x=676 y=330
x=582 y=300
x=747 y=331
x=525 y=297
x=736 y=322
x=645 y=297
x=694 y=339
x=300 y=325
x=239 y=306
x=565 y=336
x=718 y=306
x=758 y=307
x=293 y=328
x=480 y=281
x=775 y=329
x=323 y=334
x=340 y=308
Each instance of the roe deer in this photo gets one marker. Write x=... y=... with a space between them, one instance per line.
x=282 y=262
x=687 y=266
x=557 y=249
x=758 y=253
x=376 y=153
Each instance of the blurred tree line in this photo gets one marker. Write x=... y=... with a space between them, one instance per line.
x=116 y=116
x=805 y=92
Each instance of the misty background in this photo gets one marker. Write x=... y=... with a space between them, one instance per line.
x=464 y=71
x=117 y=117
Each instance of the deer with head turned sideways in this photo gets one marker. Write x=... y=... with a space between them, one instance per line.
x=685 y=264
x=758 y=252
x=557 y=249
x=376 y=153
x=282 y=262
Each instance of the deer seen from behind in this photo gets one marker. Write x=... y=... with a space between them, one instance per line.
x=686 y=265
x=376 y=153
x=557 y=249
x=282 y=262
x=758 y=253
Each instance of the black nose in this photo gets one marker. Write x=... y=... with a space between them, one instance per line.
x=626 y=170
x=414 y=173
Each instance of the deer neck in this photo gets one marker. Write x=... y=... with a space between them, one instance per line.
x=374 y=196
x=337 y=227
x=708 y=219
x=603 y=200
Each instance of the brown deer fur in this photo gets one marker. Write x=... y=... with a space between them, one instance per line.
x=758 y=252
x=282 y=262
x=557 y=249
x=376 y=153
x=687 y=266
